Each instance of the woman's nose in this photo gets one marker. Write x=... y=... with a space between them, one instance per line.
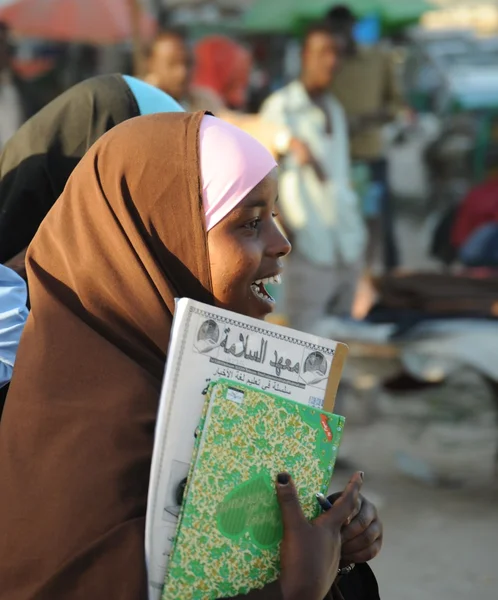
x=280 y=245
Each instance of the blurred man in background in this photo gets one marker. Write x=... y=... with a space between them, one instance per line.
x=318 y=207
x=366 y=86
x=11 y=101
x=169 y=67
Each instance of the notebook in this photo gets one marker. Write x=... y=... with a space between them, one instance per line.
x=230 y=528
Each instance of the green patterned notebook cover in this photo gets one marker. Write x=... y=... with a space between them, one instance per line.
x=230 y=528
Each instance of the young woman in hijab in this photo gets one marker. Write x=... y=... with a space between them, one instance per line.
x=37 y=161
x=160 y=207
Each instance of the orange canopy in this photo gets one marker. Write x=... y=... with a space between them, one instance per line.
x=84 y=21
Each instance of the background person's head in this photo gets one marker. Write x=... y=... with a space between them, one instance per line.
x=223 y=66
x=320 y=58
x=341 y=21
x=5 y=53
x=169 y=64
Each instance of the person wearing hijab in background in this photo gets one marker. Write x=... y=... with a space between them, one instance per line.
x=37 y=161
x=224 y=67
x=161 y=207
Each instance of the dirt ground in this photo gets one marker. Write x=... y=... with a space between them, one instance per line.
x=440 y=543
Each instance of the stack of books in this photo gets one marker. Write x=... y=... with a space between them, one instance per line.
x=242 y=400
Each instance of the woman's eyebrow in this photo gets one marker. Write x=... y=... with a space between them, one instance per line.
x=254 y=204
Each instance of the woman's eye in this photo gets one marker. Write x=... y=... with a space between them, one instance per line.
x=254 y=224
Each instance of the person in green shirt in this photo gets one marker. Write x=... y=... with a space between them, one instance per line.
x=365 y=84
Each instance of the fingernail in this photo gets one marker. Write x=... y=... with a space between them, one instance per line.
x=283 y=478
x=362 y=475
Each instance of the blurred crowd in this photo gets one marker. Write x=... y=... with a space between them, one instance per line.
x=323 y=112
x=324 y=126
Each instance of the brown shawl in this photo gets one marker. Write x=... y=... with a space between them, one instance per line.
x=125 y=239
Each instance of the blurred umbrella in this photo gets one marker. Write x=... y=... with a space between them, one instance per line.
x=289 y=15
x=317 y=9
x=390 y=11
x=403 y=12
x=277 y=16
x=78 y=21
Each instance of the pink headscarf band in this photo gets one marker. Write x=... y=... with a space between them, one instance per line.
x=232 y=164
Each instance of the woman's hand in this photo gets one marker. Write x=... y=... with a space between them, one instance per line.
x=311 y=551
x=362 y=538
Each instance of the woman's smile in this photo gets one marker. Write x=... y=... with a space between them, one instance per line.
x=261 y=293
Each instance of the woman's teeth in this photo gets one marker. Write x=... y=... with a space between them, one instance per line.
x=264 y=295
x=275 y=280
x=258 y=287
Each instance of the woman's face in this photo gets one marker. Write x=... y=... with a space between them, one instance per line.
x=245 y=251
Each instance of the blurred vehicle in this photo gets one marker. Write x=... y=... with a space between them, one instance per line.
x=454 y=75
x=450 y=71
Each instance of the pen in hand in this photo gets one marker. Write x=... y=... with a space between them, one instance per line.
x=327 y=505
x=323 y=502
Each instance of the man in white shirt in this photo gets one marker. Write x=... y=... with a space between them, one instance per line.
x=319 y=208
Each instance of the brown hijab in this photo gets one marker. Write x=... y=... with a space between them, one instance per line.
x=125 y=239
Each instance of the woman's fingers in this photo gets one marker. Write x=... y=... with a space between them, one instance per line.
x=333 y=497
x=369 y=539
x=365 y=555
x=292 y=513
x=361 y=521
x=345 y=506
